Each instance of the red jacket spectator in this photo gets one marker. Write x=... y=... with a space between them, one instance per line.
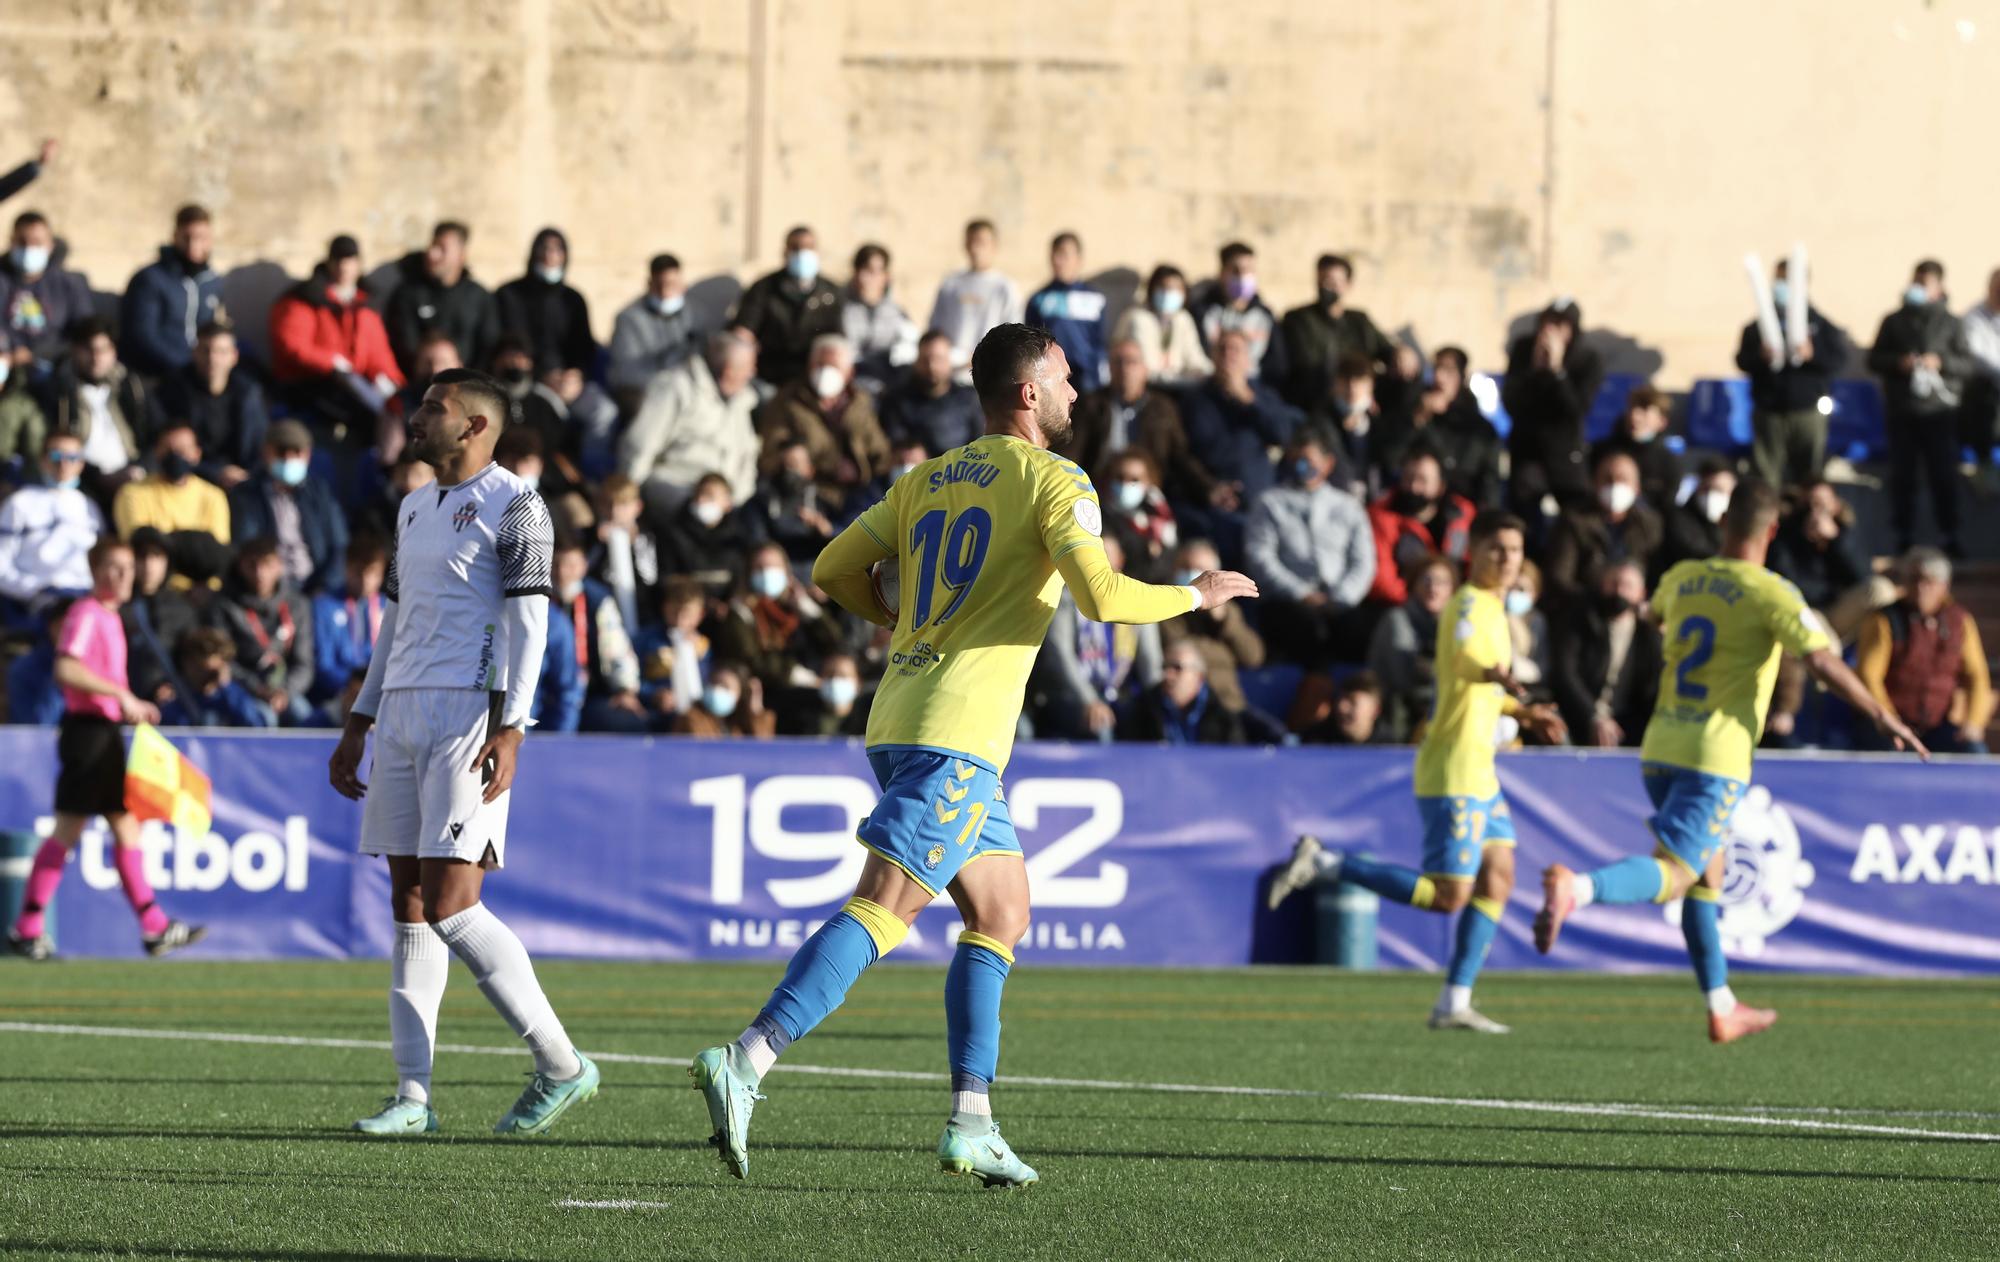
x=310 y=327
x=1401 y=539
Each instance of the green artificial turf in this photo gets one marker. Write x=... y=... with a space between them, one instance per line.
x=119 y=1147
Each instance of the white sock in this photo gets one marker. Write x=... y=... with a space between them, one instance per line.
x=1721 y=1001
x=1323 y=859
x=1583 y=887
x=506 y=976
x=975 y=1102
x=758 y=1048
x=417 y=970
x=1455 y=998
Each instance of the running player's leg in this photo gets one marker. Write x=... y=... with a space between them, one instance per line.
x=43 y=878
x=1701 y=925
x=1472 y=940
x=992 y=899
x=1691 y=817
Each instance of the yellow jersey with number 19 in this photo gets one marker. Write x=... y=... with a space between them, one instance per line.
x=1456 y=757
x=984 y=537
x=1727 y=624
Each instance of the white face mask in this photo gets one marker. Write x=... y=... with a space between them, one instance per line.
x=1519 y=603
x=840 y=690
x=553 y=275
x=1617 y=497
x=770 y=581
x=828 y=381
x=669 y=305
x=1714 y=504
x=708 y=512
x=31 y=260
x=1131 y=495
x=570 y=590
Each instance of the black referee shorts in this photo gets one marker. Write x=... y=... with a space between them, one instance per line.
x=90 y=757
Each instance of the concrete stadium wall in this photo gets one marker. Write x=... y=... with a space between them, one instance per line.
x=1476 y=157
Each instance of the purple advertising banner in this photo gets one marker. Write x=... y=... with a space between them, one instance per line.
x=642 y=849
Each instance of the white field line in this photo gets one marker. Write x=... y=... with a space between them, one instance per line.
x=1747 y=1116
x=576 y=1204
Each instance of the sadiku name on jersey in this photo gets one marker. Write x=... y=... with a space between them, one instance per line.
x=750 y=819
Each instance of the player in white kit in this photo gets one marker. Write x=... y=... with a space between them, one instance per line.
x=448 y=692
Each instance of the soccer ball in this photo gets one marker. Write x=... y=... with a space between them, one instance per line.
x=888 y=587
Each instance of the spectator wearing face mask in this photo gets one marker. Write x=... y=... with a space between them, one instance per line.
x=774 y=627
x=282 y=501
x=1136 y=511
x=172 y=500
x=971 y=303
x=271 y=625
x=1410 y=523
x=1921 y=356
x=1321 y=333
x=92 y=396
x=1073 y=311
x=347 y=618
x=1528 y=628
x=654 y=333
x=1163 y=329
x=1230 y=304
x=732 y=708
x=329 y=350
x=792 y=509
x=1444 y=419
x=39 y=301
x=47 y=530
x=1356 y=714
x=1552 y=378
x=1403 y=651
x=1606 y=662
x=1694 y=529
x=1089 y=672
x=696 y=420
x=1132 y=413
x=928 y=407
x=625 y=556
x=709 y=539
x=223 y=402
x=788 y=310
x=605 y=655
x=1233 y=423
x=1619 y=526
x=435 y=293
x=169 y=301
x=1347 y=406
x=838 y=709
x=1229 y=644
x=882 y=334
x=1922 y=659
x=1181 y=709
x=1310 y=549
x=1819 y=549
x=1791 y=401
x=835 y=421
x=1641 y=433
x=542 y=308
x=674 y=655
x=205 y=659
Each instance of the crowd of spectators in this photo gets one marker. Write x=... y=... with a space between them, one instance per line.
x=695 y=469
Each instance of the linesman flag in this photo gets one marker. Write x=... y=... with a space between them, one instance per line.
x=160 y=783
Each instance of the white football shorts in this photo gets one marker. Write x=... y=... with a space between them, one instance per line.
x=424 y=795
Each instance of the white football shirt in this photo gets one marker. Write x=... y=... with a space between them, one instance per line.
x=460 y=553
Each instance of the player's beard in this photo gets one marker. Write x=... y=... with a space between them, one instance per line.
x=1054 y=419
x=433 y=446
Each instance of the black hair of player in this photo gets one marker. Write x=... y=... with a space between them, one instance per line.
x=483 y=394
x=1492 y=522
x=1005 y=358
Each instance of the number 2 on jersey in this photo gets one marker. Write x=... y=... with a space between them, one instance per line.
x=958 y=551
x=1702 y=631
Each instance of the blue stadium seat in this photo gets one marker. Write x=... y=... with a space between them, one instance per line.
x=1271 y=688
x=1609 y=404
x=1719 y=414
x=1857 y=429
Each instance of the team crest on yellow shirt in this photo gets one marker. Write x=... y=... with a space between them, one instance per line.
x=935 y=857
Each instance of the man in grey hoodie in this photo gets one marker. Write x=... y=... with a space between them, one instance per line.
x=1310 y=549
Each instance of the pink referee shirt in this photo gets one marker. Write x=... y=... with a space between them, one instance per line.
x=93 y=634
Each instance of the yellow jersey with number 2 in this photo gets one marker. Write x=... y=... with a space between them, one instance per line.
x=1456 y=757
x=1727 y=623
x=984 y=537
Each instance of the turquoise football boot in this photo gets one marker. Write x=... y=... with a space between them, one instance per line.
x=400 y=1116
x=729 y=1087
x=962 y=1152
x=547 y=1099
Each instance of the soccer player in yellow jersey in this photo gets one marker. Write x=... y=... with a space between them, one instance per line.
x=985 y=537
x=1468 y=832
x=1728 y=621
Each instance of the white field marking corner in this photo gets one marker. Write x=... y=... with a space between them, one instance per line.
x=1747 y=1116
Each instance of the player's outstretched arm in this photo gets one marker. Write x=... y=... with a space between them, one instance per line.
x=841 y=568
x=1102 y=594
x=1827 y=667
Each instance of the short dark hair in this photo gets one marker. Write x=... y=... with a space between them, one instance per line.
x=933 y=335
x=29 y=218
x=55 y=436
x=1161 y=275
x=518 y=442
x=568 y=543
x=1353 y=367
x=214 y=328
x=1065 y=237
x=1320 y=435
x=1492 y=522
x=1711 y=465
x=980 y=225
x=1004 y=358
x=106 y=544
x=256 y=549
x=367 y=548
x=452 y=227
x=798 y=229
x=83 y=330
x=488 y=396
x=1647 y=397
x=1752 y=509
x=1456 y=355
x=1233 y=251
x=663 y=263
x=1929 y=268
x=1340 y=261
x=1360 y=681
x=707 y=480
x=202 y=643
x=189 y=215
x=868 y=254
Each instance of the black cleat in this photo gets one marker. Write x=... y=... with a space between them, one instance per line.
x=177 y=934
